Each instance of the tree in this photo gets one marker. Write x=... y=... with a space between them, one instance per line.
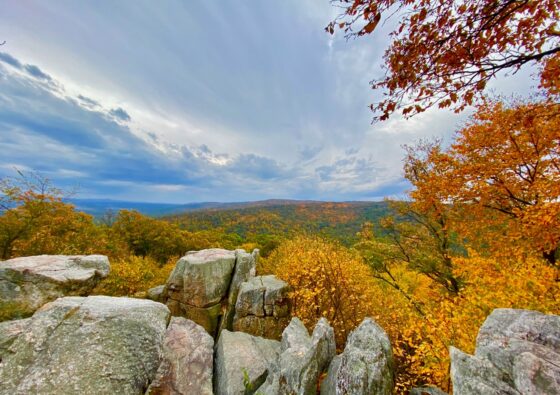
x=146 y=236
x=444 y=52
x=35 y=220
x=502 y=177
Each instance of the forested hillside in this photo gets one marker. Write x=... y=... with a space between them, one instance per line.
x=260 y=223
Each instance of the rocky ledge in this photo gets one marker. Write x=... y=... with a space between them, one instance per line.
x=28 y=283
x=110 y=345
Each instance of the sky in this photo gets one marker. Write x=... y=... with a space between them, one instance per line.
x=190 y=101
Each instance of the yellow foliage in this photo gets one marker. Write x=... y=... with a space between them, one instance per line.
x=421 y=343
x=331 y=281
x=134 y=274
x=328 y=281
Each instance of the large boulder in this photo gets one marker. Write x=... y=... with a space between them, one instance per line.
x=94 y=345
x=517 y=351
x=28 y=283
x=365 y=366
x=302 y=359
x=245 y=268
x=262 y=307
x=242 y=362
x=204 y=284
x=187 y=361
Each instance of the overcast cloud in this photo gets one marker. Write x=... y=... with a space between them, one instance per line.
x=203 y=100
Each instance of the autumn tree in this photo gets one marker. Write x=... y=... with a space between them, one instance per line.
x=444 y=52
x=502 y=177
x=146 y=236
x=34 y=219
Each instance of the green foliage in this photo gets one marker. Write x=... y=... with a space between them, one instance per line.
x=267 y=226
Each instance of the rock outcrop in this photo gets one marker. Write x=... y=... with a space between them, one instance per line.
x=365 y=366
x=198 y=284
x=218 y=290
x=28 y=283
x=245 y=269
x=517 y=352
x=302 y=359
x=77 y=345
x=242 y=362
x=262 y=307
x=187 y=361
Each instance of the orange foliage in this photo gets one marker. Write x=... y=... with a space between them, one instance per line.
x=444 y=52
x=421 y=344
x=502 y=176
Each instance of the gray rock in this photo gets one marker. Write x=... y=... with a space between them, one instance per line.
x=365 y=366
x=245 y=266
x=27 y=283
x=262 y=307
x=187 y=361
x=426 y=391
x=156 y=293
x=472 y=375
x=76 y=345
x=9 y=332
x=206 y=276
x=507 y=333
x=198 y=285
x=242 y=362
x=302 y=359
x=324 y=341
x=299 y=369
x=517 y=351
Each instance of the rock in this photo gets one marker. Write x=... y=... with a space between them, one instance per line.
x=296 y=336
x=96 y=345
x=365 y=366
x=262 y=307
x=324 y=340
x=242 y=362
x=156 y=293
x=199 y=284
x=206 y=276
x=245 y=266
x=517 y=351
x=299 y=369
x=302 y=359
x=187 y=361
x=28 y=283
x=471 y=375
x=426 y=391
x=9 y=332
x=207 y=317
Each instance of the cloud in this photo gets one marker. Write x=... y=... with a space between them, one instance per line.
x=9 y=59
x=87 y=101
x=36 y=72
x=79 y=139
x=120 y=114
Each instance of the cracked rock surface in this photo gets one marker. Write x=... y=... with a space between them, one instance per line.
x=28 y=283
x=517 y=352
x=262 y=307
x=95 y=345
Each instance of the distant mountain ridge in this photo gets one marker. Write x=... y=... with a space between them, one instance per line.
x=97 y=207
